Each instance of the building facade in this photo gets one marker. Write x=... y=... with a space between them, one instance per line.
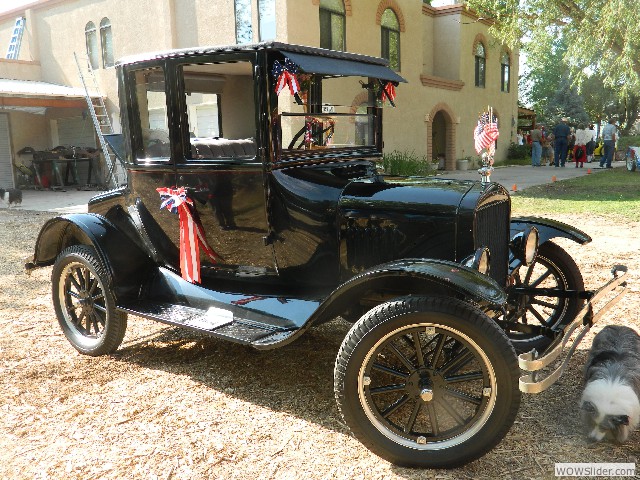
x=454 y=68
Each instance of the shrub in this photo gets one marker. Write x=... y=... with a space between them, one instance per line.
x=406 y=164
x=518 y=152
x=628 y=141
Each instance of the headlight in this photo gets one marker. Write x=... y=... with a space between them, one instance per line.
x=524 y=245
x=479 y=260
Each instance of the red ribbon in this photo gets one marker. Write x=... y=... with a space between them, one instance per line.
x=289 y=79
x=192 y=236
x=388 y=91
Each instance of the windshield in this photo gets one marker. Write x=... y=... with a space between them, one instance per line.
x=336 y=113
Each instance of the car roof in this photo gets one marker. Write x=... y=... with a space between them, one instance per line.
x=271 y=45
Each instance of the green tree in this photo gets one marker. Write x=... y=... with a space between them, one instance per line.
x=566 y=102
x=601 y=36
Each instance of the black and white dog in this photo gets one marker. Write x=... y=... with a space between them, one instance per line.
x=611 y=398
x=11 y=196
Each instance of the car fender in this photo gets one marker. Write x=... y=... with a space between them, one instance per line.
x=548 y=229
x=413 y=276
x=125 y=262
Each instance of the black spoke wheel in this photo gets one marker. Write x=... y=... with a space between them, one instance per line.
x=553 y=268
x=84 y=306
x=427 y=382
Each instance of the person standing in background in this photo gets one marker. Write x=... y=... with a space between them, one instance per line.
x=547 y=148
x=536 y=146
x=591 y=144
x=580 y=149
x=571 y=142
x=609 y=136
x=560 y=134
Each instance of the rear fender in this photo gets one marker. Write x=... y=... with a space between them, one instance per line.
x=412 y=276
x=125 y=262
x=548 y=229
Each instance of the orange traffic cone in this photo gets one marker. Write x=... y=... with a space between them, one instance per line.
x=553 y=179
x=514 y=188
x=588 y=171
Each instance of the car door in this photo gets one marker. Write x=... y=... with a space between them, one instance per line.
x=219 y=165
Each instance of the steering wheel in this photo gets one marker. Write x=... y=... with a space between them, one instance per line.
x=300 y=132
x=296 y=137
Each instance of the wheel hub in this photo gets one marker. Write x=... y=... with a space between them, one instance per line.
x=424 y=384
x=85 y=301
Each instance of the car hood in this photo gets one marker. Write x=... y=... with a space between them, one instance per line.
x=383 y=218
x=410 y=195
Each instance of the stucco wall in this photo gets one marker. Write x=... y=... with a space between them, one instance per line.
x=20 y=70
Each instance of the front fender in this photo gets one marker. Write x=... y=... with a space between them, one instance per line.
x=548 y=229
x=412 y=276
x=126 y=264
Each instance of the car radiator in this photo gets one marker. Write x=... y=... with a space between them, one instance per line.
x=491 y=229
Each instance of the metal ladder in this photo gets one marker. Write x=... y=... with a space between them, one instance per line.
x=101 y=122
x=16 y=39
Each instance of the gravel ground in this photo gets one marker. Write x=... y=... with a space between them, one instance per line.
x=173 y=404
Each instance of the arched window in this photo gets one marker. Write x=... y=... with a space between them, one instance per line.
x=505 y=72
x=390 y=38
x=106 y=42
x=91 y=40
x=481 y=64
x=332 y=25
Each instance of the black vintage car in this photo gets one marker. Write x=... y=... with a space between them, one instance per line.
x=254 y=210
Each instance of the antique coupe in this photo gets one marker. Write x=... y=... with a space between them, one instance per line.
x=254 y=210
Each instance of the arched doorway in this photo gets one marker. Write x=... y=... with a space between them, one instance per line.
x=439 y=139
x=441 y=136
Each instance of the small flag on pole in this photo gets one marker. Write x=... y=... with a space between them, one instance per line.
x=486 y=133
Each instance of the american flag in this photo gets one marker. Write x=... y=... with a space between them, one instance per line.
x=286 y=75
x=486 y=133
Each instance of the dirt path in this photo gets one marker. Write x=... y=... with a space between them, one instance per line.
x=172 y=404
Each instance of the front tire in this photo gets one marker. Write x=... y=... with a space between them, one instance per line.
x=427 y=382
x=83 y=304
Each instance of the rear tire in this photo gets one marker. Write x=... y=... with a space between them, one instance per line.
x=85 y=308
x=427 y=382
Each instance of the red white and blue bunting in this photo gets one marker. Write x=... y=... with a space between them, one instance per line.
x=286 y=75
x=192 y=236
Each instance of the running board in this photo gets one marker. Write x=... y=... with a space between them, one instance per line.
x=530 y=362
x=218 y=321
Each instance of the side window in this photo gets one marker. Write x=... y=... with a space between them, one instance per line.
x=220 y=108
x=151 y=104
x=244 y=32
x=106 y=42
x=91 y=41
x=390 y=34
x=481 y=64
x=505 y=72
x=332 y=25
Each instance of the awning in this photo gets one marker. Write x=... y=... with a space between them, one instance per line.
x=336 y=66
x=34 y=96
